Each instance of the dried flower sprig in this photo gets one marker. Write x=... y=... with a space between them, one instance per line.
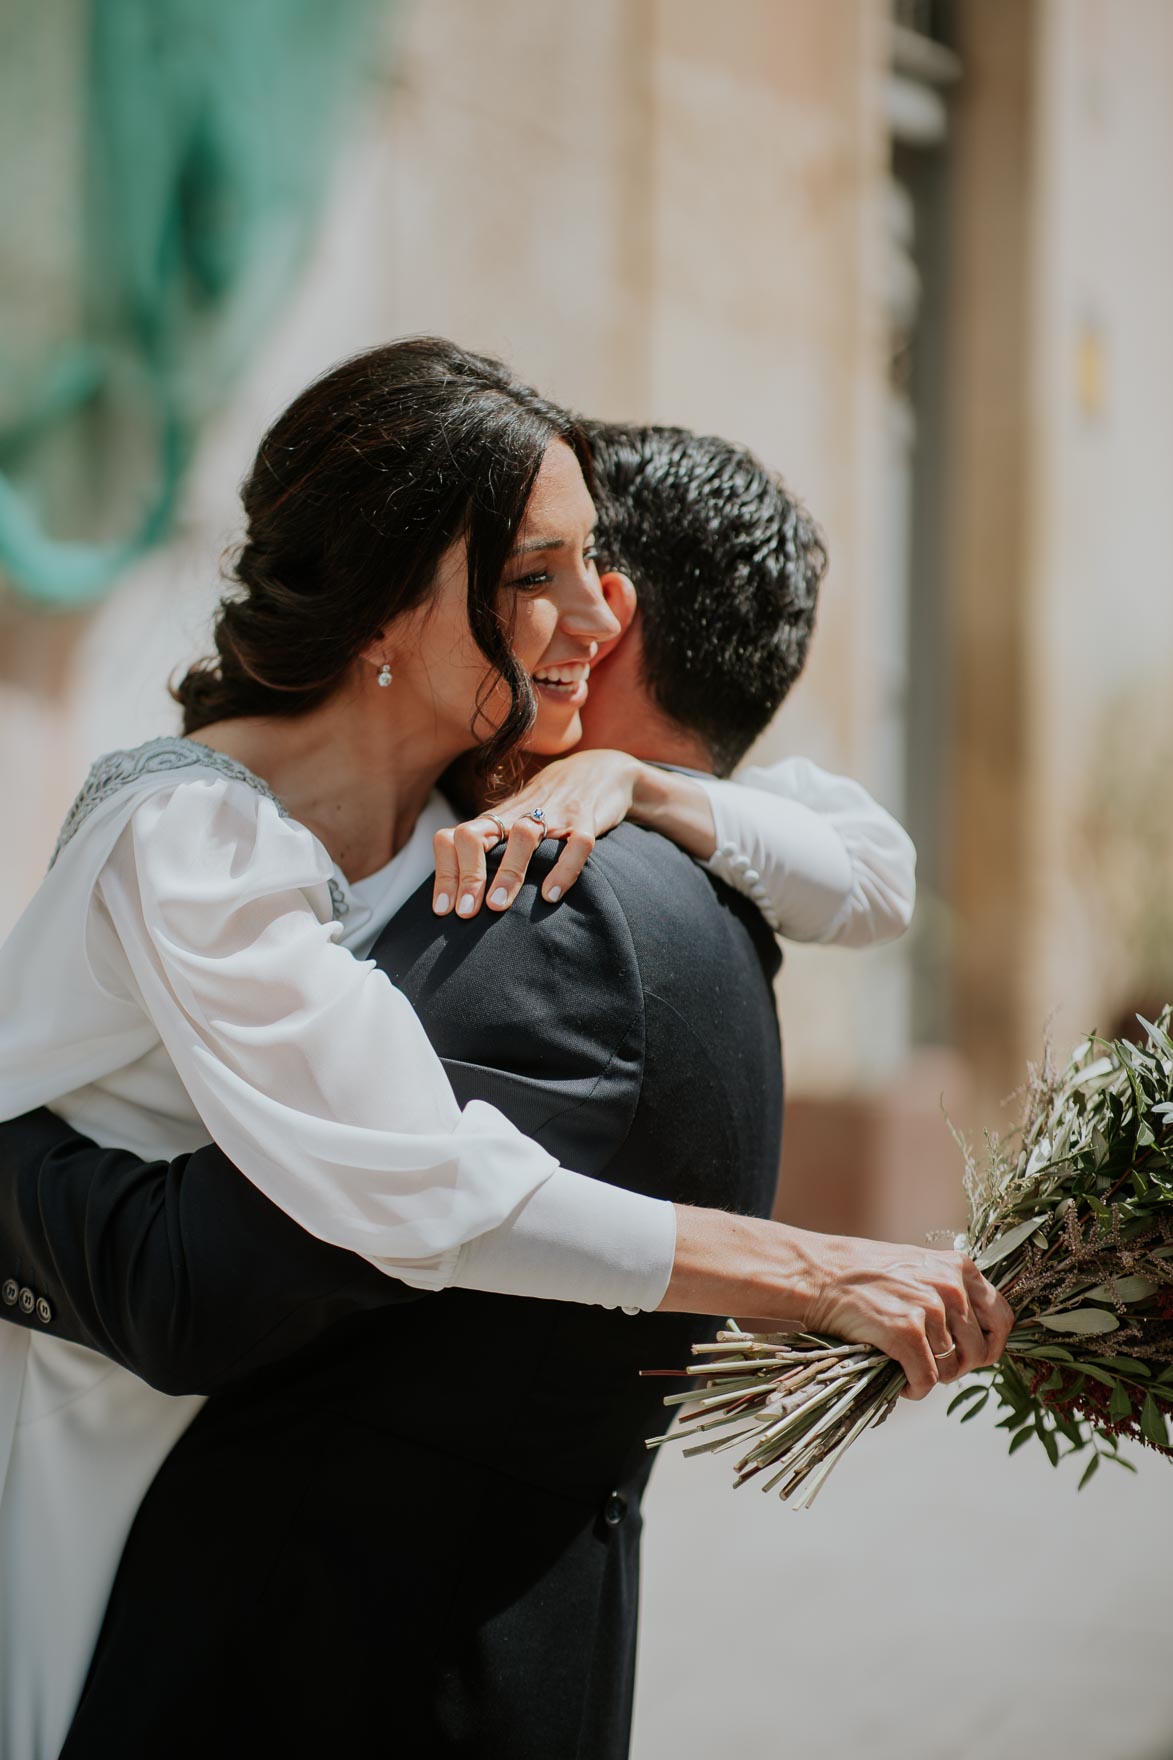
x=1073 y=1222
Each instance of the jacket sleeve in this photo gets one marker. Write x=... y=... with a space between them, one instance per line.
x=185 y=1273
x=181 y=1271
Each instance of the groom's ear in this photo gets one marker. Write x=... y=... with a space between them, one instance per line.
x=622 y=603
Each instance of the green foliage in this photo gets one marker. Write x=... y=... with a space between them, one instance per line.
x=1075 y=1228
x=1094 y=1172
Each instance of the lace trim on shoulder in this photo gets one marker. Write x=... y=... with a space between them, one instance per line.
x=117 y=769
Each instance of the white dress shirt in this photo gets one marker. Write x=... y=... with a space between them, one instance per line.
x=187 y=971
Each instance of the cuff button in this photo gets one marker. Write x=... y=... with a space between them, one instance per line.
x=44 y=1311
x=28 y=1301
x=10 y=1292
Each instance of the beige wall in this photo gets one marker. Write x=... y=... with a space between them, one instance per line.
x=989 y=495
x=1102 y=433
x=1061 y=530
x=654 y=210
x=767 y=325
x=662 y=209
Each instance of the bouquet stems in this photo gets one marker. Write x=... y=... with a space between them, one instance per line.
x=1073 y=1222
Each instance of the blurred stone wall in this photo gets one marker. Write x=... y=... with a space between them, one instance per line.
x=659 y=209
x=1101 y=557
x=1061 y=523
x=653 y=213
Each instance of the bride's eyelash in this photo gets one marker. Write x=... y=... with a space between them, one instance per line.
x=531 y=582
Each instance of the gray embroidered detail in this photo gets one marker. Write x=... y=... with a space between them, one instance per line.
x=338 y=899
x=117 y=769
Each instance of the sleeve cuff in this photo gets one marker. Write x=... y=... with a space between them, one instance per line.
x=783 y=855
x=577 y=1240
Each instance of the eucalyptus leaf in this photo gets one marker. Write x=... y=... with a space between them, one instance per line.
x=1088 y=1472
x=1157 y=1035
x=1103 y=1066
x=959 y=1399
x=1120 y=1404
x=976 y=1407
x=1084 y=1321
x=1069 y=1427
x=1122 y=1289
x=1046 y=1437
x=1152 y=1423
x=1016 y=1442
x=1004 y=1244
x=1098 y=1374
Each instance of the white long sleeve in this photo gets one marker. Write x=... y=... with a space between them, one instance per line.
x=176 y=975
x=314 y=1075
x=821 y=860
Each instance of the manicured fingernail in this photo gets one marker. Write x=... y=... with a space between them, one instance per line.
x=442 y=904
x=554 y=894
x=500 y=896
x=466 y=906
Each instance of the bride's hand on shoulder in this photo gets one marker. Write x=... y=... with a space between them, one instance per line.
x=573 y=799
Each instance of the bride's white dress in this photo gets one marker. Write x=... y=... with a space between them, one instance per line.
x=187 y=971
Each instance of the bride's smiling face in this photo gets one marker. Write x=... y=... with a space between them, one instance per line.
x=553 y=610
x=553 y=599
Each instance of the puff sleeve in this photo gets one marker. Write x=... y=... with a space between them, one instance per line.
x=310 y=1069
x=819 y=857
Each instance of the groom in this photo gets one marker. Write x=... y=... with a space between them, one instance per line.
x=412 y=1524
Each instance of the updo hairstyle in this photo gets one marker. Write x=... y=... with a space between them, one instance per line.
x=355 y=494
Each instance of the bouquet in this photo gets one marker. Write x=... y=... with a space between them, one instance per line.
x=1072 y=1220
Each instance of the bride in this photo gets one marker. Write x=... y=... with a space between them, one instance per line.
x=188 y=969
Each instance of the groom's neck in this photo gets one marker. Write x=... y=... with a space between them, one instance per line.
x=621 y=715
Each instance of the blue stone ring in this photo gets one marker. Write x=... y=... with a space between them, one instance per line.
x=537 y=813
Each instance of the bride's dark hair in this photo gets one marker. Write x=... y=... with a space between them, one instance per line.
x=356 y=492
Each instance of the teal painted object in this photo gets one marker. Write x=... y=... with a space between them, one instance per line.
x=209 y=143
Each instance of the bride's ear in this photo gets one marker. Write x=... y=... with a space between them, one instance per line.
x=622 y=603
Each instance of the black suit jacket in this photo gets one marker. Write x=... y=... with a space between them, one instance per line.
x=401 y=1523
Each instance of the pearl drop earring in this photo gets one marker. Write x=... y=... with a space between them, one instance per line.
x=385 y=675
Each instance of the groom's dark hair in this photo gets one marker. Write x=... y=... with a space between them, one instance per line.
x=727 y=567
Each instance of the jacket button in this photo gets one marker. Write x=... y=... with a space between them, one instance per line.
x=28 y=1301
x=44 y=1311
x=10 y=1292
x=615 y=1509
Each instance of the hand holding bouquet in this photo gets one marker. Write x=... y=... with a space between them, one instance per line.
x=1074 y=1228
